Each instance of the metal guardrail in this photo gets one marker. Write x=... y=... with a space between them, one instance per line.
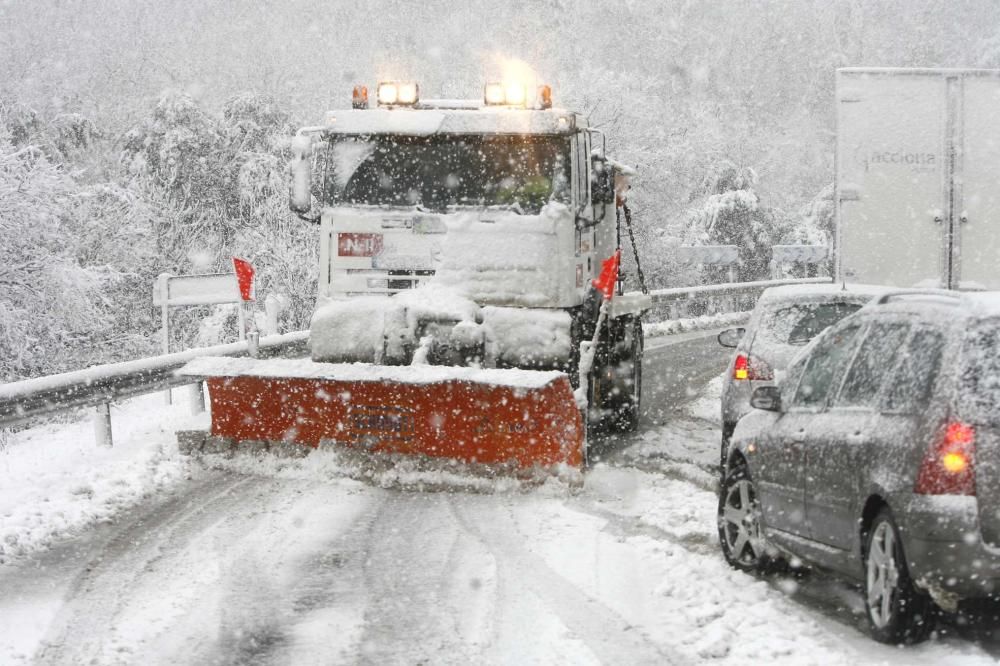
x=100 y=385
x=729 y=289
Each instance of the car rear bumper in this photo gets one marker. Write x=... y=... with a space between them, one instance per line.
x=944 y=549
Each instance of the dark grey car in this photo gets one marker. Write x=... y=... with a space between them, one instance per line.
x=878 y=456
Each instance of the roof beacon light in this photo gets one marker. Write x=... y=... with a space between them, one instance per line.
x=398 y=94
x=359 y=97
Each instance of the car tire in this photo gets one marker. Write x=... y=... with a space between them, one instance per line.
x=739 y=521
x=897 y=612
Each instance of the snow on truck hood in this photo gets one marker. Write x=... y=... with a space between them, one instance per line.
x=502 y=258
x=217 y=366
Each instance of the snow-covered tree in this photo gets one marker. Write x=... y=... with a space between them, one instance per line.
x=731 y=214
x=49 y=303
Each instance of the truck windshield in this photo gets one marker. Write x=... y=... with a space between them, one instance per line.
x=520 y=172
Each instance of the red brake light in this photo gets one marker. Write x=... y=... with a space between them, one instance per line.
x=748 y=367
x=741 y=369
x=949 y=466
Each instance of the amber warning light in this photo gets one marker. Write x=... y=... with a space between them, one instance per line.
x=359 y=245
x=359 y=97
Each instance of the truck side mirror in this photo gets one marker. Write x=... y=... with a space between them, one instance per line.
x=300 y=168
x=602 y=182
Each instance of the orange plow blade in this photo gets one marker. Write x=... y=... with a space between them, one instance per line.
x=474 y=416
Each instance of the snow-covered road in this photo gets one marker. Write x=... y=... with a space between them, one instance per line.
x=164 y=560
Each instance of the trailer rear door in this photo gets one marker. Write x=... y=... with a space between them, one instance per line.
x=891 y=177
x=977 y=252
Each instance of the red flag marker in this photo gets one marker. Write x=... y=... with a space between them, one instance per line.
x=244 y=276
x=606 y=281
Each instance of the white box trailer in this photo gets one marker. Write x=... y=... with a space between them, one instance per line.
x=918 y=177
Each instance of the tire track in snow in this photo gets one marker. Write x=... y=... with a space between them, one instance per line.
x=609 y=637
x=420 y=576
x=80 y=631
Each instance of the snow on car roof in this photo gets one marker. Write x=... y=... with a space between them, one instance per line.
x=797 y=293
x=986 y=303
x=980 y=303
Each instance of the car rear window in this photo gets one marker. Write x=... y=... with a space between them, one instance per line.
x=798 y=324
x=979 y=383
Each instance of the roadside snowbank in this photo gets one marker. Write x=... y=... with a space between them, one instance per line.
x=56 y=481
x=672 y=326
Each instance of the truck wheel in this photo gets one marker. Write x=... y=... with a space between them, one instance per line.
x=626 y=417
x=897 y=611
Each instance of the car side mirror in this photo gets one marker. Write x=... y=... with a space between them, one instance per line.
x=731 y=337
x=767 y=398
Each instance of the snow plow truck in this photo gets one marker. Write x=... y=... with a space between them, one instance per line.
x=470 y=305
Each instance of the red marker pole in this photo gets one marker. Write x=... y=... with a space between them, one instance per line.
x=244 y=278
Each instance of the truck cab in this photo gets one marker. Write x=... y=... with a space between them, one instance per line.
x=500 y=209
x=508 y=200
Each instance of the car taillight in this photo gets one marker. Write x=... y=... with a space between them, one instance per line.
x=748 y=367
x=949 y=465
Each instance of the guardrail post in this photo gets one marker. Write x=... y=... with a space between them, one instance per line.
x=733 y=298
x=102 y=424
x=163 y=286
x=197 y=397
x=272 y=308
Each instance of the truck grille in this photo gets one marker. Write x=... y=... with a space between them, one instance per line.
x=406 y=279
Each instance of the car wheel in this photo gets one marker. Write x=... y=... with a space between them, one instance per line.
x=739 y=522
x=897 y=611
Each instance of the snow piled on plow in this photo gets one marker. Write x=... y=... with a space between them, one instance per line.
x=210 y=366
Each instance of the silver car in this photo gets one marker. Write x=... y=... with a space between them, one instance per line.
x=878 y=456
x=784 y=320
